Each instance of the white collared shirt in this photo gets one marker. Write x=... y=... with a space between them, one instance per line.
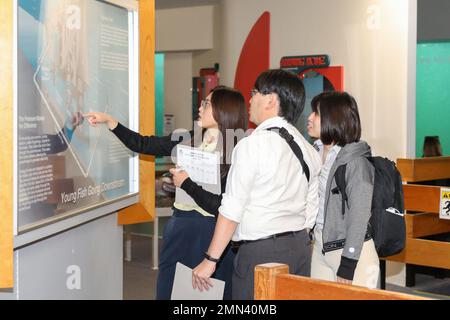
x=323 y=178
x=267 y=191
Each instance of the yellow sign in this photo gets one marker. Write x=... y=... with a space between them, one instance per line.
x=444 y=212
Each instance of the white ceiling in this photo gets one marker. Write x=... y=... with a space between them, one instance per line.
x=165 y=4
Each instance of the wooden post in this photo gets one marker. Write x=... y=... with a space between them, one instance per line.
x=265 y=279
x=6 y=143
x=145 y=210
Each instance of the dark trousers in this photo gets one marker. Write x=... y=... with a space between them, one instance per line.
x=293 y=250
x=186 y=237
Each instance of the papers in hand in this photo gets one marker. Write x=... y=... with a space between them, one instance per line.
x=182 y=286
x=202 y=167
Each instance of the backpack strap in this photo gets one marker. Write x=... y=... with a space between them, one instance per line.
x=398 y=191
x=294 y=146
x=339 y=177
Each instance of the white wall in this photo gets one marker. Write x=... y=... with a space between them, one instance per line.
x=374 y=52
x=207 y=58
x=180 y=34
x=177 y=88
x=184 y=29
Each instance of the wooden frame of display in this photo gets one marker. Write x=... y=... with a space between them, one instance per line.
x=6 y=138
x=144 y=211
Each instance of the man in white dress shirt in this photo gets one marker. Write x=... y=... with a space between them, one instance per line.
x=269 y=205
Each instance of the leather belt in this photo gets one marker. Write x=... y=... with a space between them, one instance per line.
x=236 y=244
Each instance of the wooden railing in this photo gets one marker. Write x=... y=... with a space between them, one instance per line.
x=273 y=282
x=424 y=201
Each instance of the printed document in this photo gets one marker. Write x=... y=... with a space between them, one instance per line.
x=203 y=168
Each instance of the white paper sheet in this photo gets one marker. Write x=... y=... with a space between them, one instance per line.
x=203 y=168
x=182 y=286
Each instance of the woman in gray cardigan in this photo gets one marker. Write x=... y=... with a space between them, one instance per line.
x=343 y=250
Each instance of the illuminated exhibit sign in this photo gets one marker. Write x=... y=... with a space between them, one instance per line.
x=300 y=63
x=73 y=56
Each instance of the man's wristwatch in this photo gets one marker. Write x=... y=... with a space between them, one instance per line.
x=208 y=257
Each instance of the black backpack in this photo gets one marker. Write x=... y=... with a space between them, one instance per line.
x=387 y=222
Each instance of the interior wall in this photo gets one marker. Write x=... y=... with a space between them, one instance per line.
x=433 y=73
x=184 y=29
x=207 y=58
x=159 y=94
x=368 y=37
x=177 y=87
x=433 y=95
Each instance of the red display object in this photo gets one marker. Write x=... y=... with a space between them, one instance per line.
x=254 y=57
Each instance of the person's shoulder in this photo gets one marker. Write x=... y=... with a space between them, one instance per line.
x=308 y=147
x=258 y=143
x=360 y=164
x=260 y=136
x=244 y=143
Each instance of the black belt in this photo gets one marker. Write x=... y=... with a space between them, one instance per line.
x=237 y=244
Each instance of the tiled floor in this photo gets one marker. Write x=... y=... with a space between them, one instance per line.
x=426 y=286
x=139 y=280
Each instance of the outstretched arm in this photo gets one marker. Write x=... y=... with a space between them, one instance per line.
x=152 y=145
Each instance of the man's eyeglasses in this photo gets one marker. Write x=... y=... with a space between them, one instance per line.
x=205 y=103
x=253 y=92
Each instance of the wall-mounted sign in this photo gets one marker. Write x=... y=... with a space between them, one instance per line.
x=300 y=63
x=444 y=212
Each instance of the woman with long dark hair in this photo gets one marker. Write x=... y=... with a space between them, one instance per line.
x=188 y=232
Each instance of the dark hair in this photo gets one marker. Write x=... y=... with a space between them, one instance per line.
x=230 y=112
x=289 y=88
x=432 y=147
x=339 y=117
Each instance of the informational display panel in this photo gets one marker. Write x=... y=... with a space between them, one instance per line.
x=74 y=56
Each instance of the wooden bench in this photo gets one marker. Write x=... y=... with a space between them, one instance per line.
x=424 y=201
x=273 y=282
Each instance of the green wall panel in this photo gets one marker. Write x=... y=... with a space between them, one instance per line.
x=433 y=94
x=159 y=93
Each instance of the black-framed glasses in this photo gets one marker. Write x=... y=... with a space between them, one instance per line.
x=205 y=103
x=253 y=92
